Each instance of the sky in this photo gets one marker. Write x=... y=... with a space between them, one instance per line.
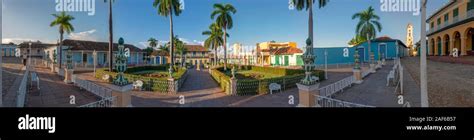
x=255 y=21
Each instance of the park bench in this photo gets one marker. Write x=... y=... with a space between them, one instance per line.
x=274 y=86
x=137 y=85
x=314 y=78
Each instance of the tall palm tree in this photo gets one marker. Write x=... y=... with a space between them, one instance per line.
x=152 y=42
x=111 y=35
x=215 y=39
x=224 y=20
x=308 y=5
x=368 y=25
x=63 y=21
x=168 y=8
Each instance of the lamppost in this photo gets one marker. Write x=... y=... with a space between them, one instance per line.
x=308 y=58
x=326 y=63
x=95 y=59
x=423 y=74
x=29 y=54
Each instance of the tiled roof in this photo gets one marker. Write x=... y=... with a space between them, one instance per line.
x=196 y=48
x=34 y=45
x=160 y=53
x=98 y=46
x=284 y=51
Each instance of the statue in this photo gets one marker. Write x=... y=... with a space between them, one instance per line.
x=120 y=64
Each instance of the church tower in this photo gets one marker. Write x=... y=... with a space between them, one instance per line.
x=409 y=41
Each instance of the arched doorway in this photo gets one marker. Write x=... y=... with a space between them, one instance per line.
x=457 y=41
x=438 y=47
x=470 y=41
x=446 y=45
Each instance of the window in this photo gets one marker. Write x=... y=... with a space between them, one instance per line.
x=432 y=25
x=84 y=57
x=439 y=21
x=456 y=12
x=446 y=17
x=470 y=5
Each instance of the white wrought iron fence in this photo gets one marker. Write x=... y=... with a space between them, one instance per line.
x=105 y=102
x=92 y=87
x=339 y=86
x=323 y=101
x=22 y=90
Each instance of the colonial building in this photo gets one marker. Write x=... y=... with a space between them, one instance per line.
x=9 y=50
x=452 y=27
x=83 y=53
x=288 y=56
x=195 y=54
x=382 y=47
x=37 y=48
x=263 y=50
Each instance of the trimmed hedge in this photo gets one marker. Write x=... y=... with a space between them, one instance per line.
x=288 y=79
x=149 y=83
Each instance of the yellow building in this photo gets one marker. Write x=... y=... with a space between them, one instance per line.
x=264 y=49
x=452 y=27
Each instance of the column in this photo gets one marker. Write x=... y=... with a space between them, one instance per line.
x=463 y=46
x=429 y=47
x=442 y=47
x=308 y=95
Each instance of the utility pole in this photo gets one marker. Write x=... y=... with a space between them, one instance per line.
x=423 y=73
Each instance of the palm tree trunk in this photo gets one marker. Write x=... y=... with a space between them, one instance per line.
x=60 y=48
x=111 y=37
x=171 y=49
x=310 y=24
x=225 y=48
x=369 y=48
x=215 y=56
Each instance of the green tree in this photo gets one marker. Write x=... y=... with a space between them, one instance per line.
x=152 y=42
x=63 y=21
x=168 y=8
x=368 y=23
x=357 y=40
x=214 y=39
x=224 y=20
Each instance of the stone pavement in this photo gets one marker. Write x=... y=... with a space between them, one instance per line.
x=11 y=77
x=201 y=90
x=55 y=93
x=373 y=91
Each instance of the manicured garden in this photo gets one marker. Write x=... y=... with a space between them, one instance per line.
x=154 y=78
x=252 y=80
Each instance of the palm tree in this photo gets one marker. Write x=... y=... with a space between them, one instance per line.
x=308 y=5
x=111 y=35
x=181 y=50
x=152 y=42
x=357 y=40
x=368 y=23
x=224 y=20
x=168 y=8
x=215 y=39
x=62 y=20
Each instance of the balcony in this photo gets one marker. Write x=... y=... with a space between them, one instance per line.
x=457 y=19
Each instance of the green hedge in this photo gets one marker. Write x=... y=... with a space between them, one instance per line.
x=149 y=83
x=288 y=79
x=222 y=79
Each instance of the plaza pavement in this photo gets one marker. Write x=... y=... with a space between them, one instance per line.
x=374 y=92
x=53 y=91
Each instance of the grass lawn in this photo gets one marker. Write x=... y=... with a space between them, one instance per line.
x=252 y=75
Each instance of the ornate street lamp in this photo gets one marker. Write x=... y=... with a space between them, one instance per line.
x=120 y=65
x=308 y=58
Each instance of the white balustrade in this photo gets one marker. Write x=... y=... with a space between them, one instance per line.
x=339 y=86
x=323 y=101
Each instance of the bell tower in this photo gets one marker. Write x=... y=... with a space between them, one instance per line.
x=409 y=41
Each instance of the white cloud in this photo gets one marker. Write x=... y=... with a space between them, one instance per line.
x=21 y=40
x=85 y=35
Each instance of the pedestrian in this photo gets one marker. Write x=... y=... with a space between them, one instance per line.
x=24 y=59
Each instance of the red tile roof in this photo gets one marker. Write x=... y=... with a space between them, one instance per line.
x=285 y=51
x=98 y=46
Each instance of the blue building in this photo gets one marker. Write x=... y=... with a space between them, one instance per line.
x=382 y=47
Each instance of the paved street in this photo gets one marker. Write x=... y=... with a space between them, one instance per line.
x=373 y=91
